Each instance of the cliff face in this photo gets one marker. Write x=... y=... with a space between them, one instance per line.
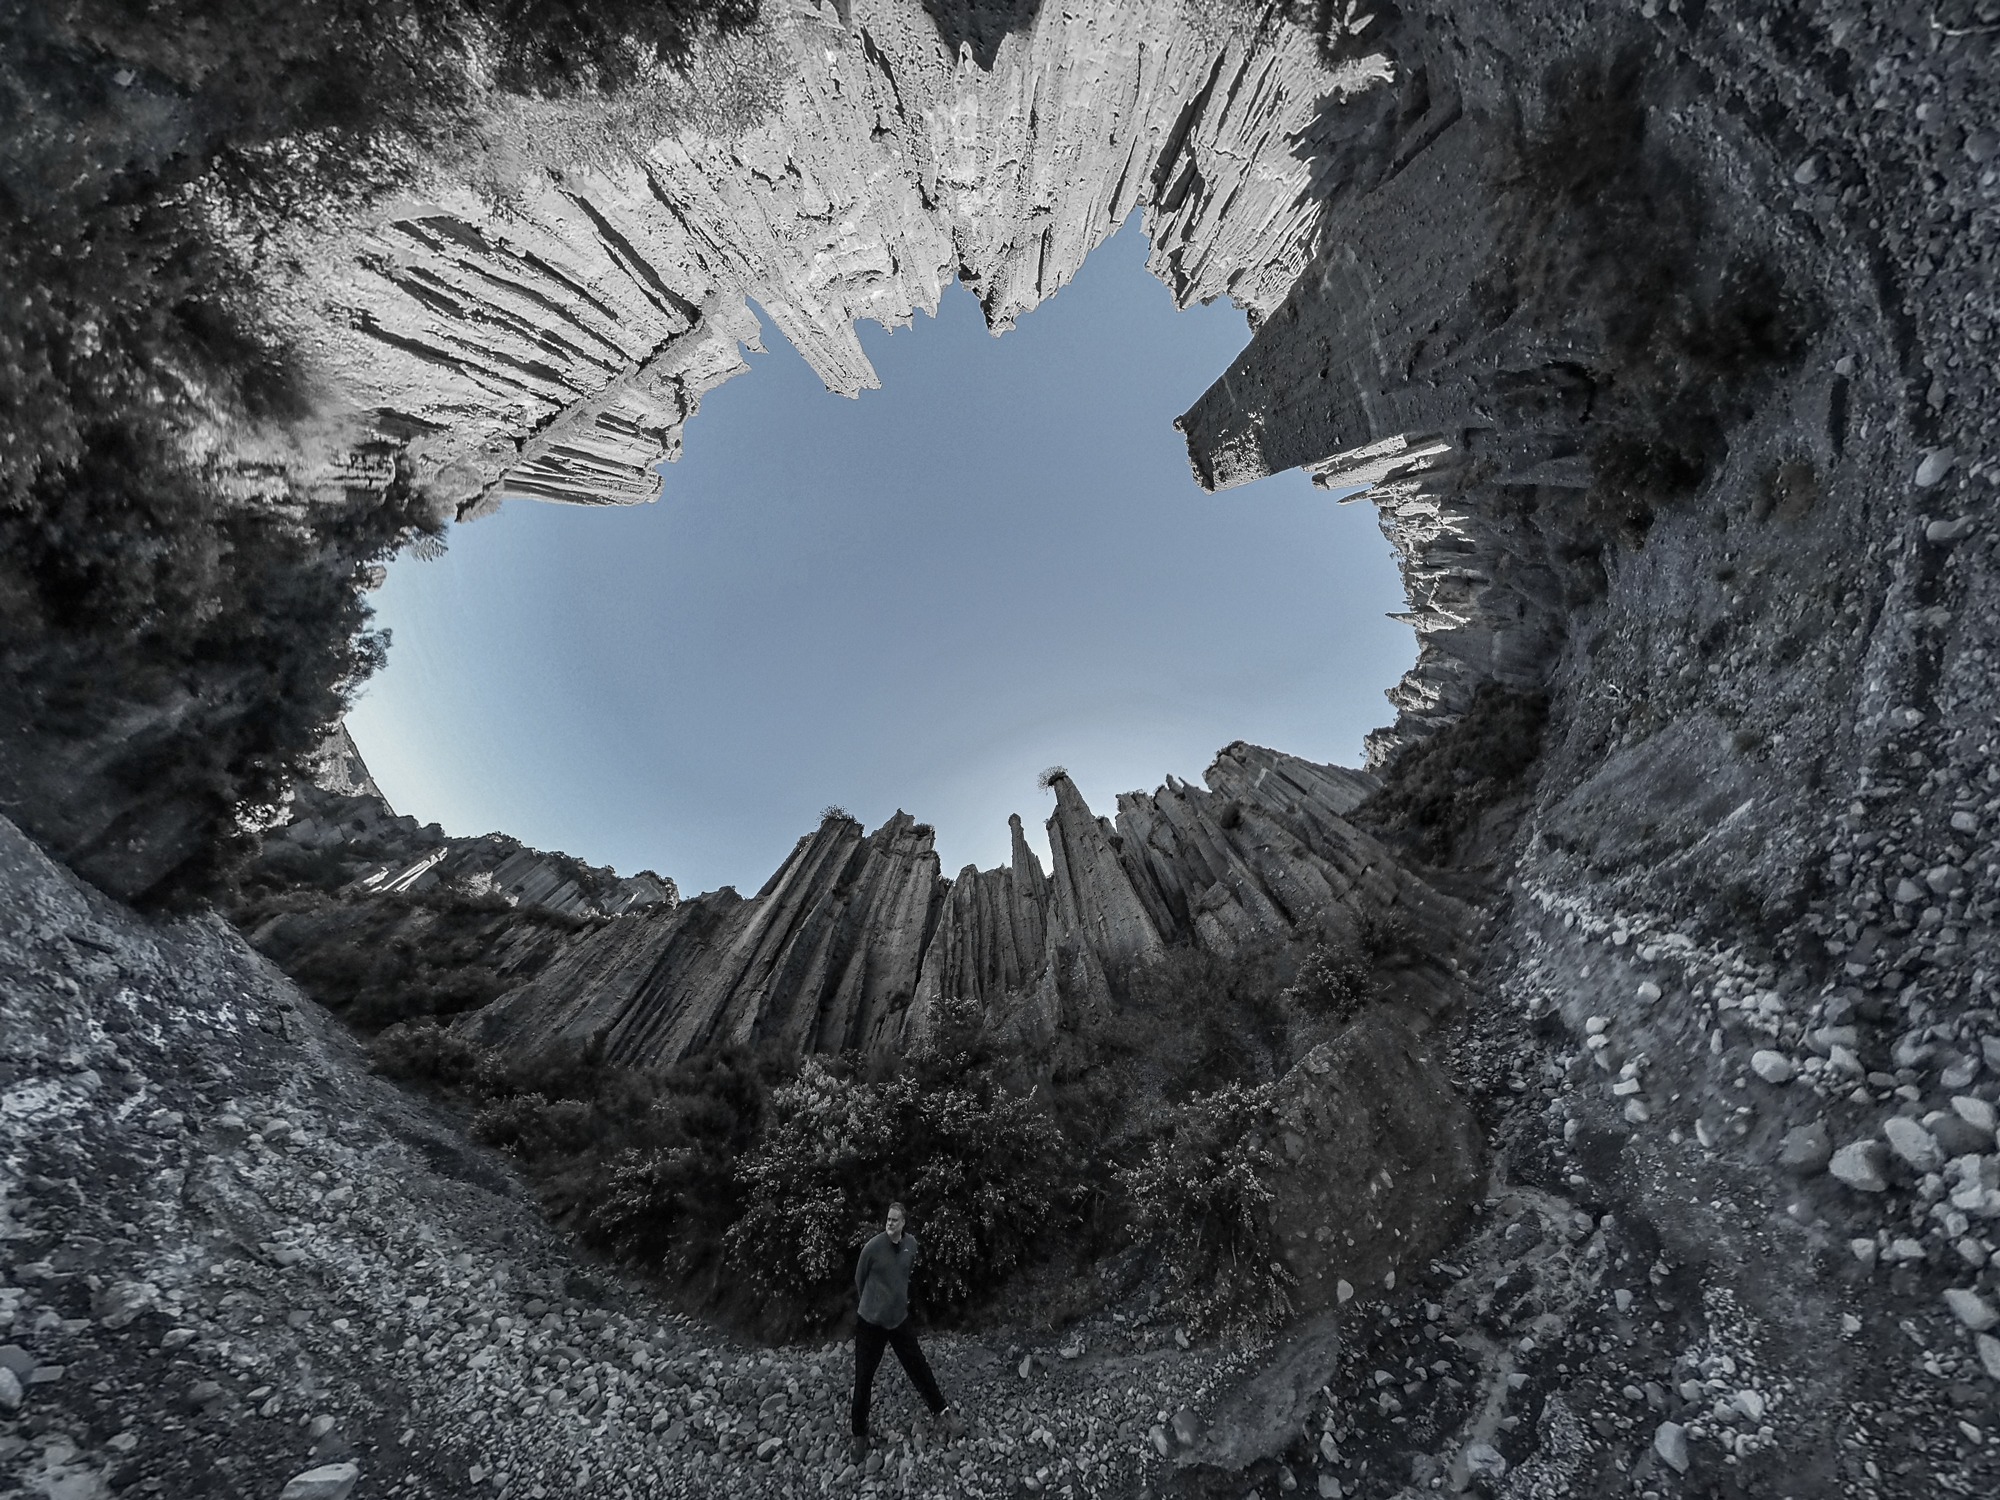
x=854 y=942
x=386 y=920
x=546 y=322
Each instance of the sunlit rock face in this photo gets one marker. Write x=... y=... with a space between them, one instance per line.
x=545 y=326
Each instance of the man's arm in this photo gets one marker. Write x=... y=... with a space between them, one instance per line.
x=861 y=1269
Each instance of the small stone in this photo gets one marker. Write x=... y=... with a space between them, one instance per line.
x=1981 y=146
x=1955 y=1137
x=1484 y=1461
x=1957 y=1073
x=120 y=1304
x=1751 y=1404
x=202 y=1392
x=1914 y=1144
x=327 y=1482
x=1806 y=173
x=1849 y=1324
x=1343 y=1292
x=1670 y=1441
x=177 y=1338
x=1649 y=992
x=1860 y=1165
x=1934 y=466
x=1772 y=1067
x=1904 y=1248
x=10 y=1390
x=1806 y=1150
x=1964 y=821
x=1942 y=532
x=1970 y=1309
x=319 y=1427
x=1989 y=1354
x=1187 y=1427
x=1977 y=1113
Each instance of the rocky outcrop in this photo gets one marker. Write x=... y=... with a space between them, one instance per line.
x=383 y=919
x=857 y=939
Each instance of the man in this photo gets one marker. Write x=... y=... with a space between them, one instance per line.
x=882 y=1281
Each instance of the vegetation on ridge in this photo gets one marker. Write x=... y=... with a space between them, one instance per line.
x=749 y=1180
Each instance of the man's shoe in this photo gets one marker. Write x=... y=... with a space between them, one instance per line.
x=857 y=1446
x=952 y=1425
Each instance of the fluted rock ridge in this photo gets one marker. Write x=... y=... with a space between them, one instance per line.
x=547 y=329
x=857 y=939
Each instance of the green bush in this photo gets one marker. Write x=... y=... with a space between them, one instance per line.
x=984 y=1172
x=1201 y=1199
x=1434 y=790
x=1333 y=980
x=1225 y=1017
x=1597 y=215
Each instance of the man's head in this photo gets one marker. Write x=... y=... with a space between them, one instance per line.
x=893 y=1224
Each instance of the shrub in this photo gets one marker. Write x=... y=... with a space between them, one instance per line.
x=1201 y=1200
x=1333 y=981
x=1224 y=1017
x=1434 y=790
x=982 y=1169
x=1598 y=216
x=425 y=1052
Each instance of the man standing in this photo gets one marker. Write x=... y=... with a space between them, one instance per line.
x=882 y=1281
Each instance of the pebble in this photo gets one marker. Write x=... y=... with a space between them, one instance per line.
x=10 y=1390
x=1806 y=1149
x=1934 y=466
x=1649 y=992
x=327 y=1482
x=1772 y=1067
x=1989 y=1354
x=1971 y=1309
x=1484 y=1461
x=1860 y=1165
x=1941 y=532
x=1670 y=1441
x=1913 y=1143
x=1977 y=1113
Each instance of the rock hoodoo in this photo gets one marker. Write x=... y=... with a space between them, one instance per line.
x=851 y=944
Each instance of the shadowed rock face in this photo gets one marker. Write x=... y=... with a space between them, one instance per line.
x=857 y=938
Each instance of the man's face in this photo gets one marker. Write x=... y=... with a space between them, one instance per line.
x=894 y=1224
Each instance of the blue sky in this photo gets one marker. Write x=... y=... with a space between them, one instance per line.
x=918 y=599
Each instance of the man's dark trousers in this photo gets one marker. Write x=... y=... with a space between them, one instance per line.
x=868 y=1344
